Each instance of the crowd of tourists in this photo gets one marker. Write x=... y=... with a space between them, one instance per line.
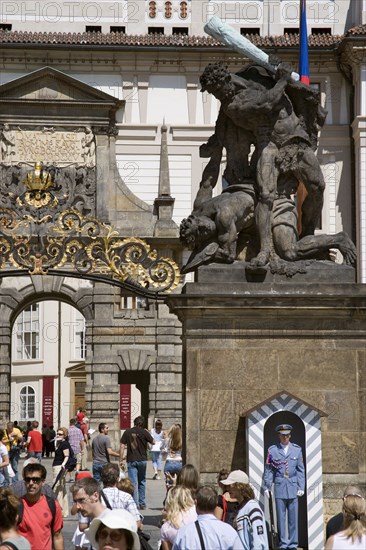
x=108 y=501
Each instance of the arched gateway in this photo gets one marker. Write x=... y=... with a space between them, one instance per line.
x=65 y=213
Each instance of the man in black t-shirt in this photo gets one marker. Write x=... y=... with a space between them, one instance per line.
x=134 y=444
x=335 y=524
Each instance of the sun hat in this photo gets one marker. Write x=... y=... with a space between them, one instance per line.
x=114 y=519
x=237 y=476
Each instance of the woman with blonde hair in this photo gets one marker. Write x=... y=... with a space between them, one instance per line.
x=188 y=477
x=173 y=447
x=353 y=535
x=62 y=453
x=180 y=510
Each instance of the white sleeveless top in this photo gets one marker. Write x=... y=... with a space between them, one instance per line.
x=340 y=542
x=158 y=439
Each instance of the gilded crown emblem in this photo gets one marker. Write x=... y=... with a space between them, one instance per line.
x=38 y=179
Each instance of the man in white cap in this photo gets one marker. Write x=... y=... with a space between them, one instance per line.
x=250 y=521
x=285 y=468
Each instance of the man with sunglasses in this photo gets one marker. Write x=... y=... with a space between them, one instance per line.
x=19 y=487
x=37 y=521
x=285 y=468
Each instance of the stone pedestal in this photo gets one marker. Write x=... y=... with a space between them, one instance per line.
x=244 y=342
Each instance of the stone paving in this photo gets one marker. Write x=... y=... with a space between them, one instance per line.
x=155 y=493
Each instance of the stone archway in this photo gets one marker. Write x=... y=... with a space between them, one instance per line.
x=36 y=288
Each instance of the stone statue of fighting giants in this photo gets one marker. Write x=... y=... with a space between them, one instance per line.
x=264 y=109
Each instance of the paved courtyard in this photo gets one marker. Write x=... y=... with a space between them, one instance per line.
x=155 y=493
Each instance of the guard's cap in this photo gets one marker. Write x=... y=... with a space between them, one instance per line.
x=237 y=476
x=284 y=429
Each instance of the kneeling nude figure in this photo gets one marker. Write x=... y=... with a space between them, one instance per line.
x=211 y=231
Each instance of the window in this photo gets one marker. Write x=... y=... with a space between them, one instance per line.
x=250 y=30
x=27 y=403
x=321 y=30
x=118 y=29
x=152 y=9
x=168 y=10
x=183 y=10
x=93 y=28
x=5 y=27
x=291 y=30
x=133 y=302
x=180 y=30
x=79 y=339
x=155 y=30
x=27 y=333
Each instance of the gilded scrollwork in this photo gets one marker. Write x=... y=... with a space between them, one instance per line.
x=86 y=247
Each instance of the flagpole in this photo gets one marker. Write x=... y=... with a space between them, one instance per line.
x=304 y=51
x=305 y=79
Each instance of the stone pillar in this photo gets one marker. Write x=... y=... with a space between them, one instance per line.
x=102 y=389
x=124 y=341
x=359 y=134
x=166 y=389
x=243 y=342
x=5 y=363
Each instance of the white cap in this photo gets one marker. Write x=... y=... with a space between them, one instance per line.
x=31 y=460
x=237 y=476
x=114 y=519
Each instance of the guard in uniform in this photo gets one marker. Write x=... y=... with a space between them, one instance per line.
x=285 y=468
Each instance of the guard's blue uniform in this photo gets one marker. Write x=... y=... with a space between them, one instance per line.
x=287 y=473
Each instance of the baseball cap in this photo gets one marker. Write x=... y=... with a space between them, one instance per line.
x=32 y=460
x=114 y=519
x=237 y=476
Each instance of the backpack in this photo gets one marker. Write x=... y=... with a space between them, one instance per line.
x=51 y=504
x=228 y=516
x=71 y=462
x=9 y=544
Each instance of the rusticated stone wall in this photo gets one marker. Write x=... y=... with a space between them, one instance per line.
x=244 y=342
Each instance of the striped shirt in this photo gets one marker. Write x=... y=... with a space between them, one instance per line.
x=120 y=499
x=75 y=438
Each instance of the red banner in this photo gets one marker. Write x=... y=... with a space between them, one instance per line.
x=125 y=406
x=47 y=403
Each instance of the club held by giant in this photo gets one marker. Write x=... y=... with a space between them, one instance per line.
x=225 y=34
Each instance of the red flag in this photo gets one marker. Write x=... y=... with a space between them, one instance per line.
x=304 y=54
